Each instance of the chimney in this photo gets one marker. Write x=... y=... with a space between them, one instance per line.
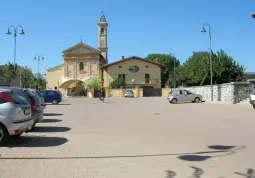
x=123 y=57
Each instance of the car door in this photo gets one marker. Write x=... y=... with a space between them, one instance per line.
x=179 y=96
x=47 y=97
x=188 y=96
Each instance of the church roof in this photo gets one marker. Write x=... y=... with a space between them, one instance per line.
x=81 y=45
x=102 y=19
x=135 y=58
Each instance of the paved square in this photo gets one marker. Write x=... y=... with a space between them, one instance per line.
x=134 y=138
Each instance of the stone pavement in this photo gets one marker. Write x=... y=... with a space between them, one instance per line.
x=134 y=138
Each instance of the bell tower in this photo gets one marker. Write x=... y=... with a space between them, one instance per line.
x=102 y=37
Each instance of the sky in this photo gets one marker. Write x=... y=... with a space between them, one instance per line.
x=136 y=27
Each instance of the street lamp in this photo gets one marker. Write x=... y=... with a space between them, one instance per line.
x=203 y=31
x=174 y=70
x=15 y=33
x=253 y=15
x=39 y=58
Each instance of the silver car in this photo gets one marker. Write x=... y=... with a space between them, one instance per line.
x=129 y=94
x=179 y=96
x=15 y=115
x=40 y=96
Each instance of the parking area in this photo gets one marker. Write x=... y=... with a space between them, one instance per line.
x=136 y=137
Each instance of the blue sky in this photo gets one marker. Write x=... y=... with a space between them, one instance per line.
x=136 y=27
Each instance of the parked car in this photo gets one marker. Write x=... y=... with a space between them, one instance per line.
x=15 y=115
x=176 y=96
x=129 y=93
x=40 y=96
x=37 y=111
x=252 y=99
x=51 y=96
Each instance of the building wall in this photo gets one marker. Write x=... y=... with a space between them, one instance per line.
x=112 y=72
x=229 y=92
x=53 y=77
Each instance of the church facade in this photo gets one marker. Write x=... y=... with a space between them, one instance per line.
x=81 y=62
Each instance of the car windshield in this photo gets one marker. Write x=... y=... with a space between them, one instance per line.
x=253 y=93
x=32 y=96
x=38 y=93
x=17 y=98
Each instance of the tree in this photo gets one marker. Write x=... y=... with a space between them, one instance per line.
x=167 y=74
x=39 y=81
x=27 y=78
x=116 y=84
x=93 y=82
x=9 y=72
x=196 y=69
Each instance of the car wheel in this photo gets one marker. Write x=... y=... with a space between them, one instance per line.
x=174 y=101
x=54 y=101
x=197 y=100
x=4 y=135
x=253 y=106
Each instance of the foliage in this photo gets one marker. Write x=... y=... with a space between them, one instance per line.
x=27 y=78
x=39 y=81
x=196 y=70
x=116 y=84
x=167 y=73
x=9 y=71
x=78 y=90
x=93 y=82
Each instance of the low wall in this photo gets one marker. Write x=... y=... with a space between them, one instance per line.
x=228 y=92
x=120 y=92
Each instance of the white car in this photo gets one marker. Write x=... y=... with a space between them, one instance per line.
x=252 y=99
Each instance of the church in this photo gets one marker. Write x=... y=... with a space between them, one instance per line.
x=82 y=62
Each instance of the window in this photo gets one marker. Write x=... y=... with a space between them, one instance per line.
x=147 y=78
x=81 y=66
x=253 y=93
x=2 y=101
x=188 y=92
x=177 y=92
x=17 y=98
x=133 y=69
x=122 y=76
x=102 y=30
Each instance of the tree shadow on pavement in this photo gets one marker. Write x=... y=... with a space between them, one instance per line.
x=52 y=114
x=35 y=141
x=224 y=150
x=249 y=174
x=50 y=129
x=51 y=120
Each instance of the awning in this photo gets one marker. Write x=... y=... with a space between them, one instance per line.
x=68 y=83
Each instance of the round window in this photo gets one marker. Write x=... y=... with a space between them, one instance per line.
x=133 y=69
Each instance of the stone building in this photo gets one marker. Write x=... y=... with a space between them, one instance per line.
x=81 y=62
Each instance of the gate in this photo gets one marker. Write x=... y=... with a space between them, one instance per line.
x=96 y=93
x=150 y=91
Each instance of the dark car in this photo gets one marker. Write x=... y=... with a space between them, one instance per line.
x=37 y=111
x=51 y=96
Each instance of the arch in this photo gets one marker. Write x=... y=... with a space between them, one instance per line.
x=102 y=31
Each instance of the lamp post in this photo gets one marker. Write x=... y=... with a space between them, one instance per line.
x=203 y=31
x=15 y=33
x=174 y=70
x=253 y=15
x=38 y=58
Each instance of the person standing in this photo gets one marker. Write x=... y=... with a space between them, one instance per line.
x=102 y=95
